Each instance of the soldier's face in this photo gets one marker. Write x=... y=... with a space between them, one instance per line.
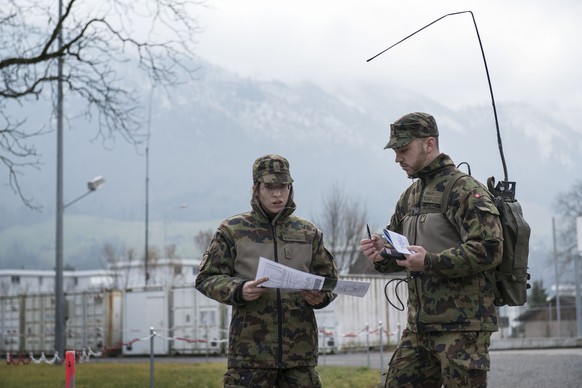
x=274 y=197
x=412 y=157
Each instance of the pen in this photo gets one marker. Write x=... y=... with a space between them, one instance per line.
x=369 y=234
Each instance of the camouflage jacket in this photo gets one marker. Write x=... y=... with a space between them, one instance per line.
x=279 y=329
x=452 y=293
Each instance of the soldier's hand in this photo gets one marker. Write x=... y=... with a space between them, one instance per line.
x=415 y=261
x=372 y=247
x=251 y=290
x=313 y=298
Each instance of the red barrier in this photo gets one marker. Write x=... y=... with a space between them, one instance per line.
x=20 y=359
x=70 y=369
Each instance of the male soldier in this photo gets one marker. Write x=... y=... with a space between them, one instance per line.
x=450 y=301
x=273 y=332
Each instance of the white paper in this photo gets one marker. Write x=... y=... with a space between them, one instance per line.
x=398 y=241
x=350 y=287
x=281 y=276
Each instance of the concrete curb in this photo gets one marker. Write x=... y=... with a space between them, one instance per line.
x=536 y=343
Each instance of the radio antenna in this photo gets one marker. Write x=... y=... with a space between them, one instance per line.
x=507 y=186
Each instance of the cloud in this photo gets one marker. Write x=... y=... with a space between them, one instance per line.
x=531 y=47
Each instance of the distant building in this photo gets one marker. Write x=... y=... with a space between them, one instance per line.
x=162 y=272
x=542 y=321
x=18 y=282
x=122 y=275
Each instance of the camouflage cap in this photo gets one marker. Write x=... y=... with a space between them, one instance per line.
x=411 y=126
x=271 y=168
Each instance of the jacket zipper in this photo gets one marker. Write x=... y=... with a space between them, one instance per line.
x=279 y=307
x=417 y=277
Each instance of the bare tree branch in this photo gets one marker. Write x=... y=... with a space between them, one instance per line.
x=103 y=44
x=343 y=224
x=202 y=239
x=569 y=205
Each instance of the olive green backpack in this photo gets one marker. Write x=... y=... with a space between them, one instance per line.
x=510 y=277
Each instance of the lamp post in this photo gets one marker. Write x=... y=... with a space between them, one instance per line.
x=92 y=185
x=59 y=316
x=577 y=276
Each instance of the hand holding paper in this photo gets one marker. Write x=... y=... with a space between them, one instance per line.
x=252 y=290
x=281 y=276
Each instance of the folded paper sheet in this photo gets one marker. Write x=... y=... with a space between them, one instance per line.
x=281 y=276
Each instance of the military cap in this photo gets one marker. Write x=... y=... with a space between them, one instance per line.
x=271 y=168
x=411 y=126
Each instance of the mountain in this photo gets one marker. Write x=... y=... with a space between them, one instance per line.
x=204 y=137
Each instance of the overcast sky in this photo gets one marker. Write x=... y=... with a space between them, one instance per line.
x=532 y=47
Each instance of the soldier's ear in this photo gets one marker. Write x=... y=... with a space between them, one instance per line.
x=430 y=144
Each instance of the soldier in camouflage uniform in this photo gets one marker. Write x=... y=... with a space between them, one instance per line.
x=450 y=301
x=273 y=339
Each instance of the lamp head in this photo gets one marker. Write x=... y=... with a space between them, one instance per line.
x=94 y=183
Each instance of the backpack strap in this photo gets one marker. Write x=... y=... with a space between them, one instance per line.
x=448 y=188
x=407 y=209
x=444 y=199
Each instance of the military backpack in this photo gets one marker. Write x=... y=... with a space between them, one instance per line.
x=510 y=277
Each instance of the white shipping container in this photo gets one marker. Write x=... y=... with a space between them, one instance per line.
x=95 y=321
x=39 y=324
x=144 y=309
x=10 y=311
x=351 y=322
x=197 y=325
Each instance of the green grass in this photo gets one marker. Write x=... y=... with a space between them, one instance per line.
x=166 y=374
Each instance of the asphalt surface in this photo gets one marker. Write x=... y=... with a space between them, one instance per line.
x=539 y=368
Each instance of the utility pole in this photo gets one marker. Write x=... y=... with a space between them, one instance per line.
x=147 y=211
x=577 y=258
x=92 y=185
x=59 y=293
x=556 y=259
x=147 y=194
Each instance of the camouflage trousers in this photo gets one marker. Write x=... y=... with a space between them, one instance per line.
x=301 y=377
x=449 y=359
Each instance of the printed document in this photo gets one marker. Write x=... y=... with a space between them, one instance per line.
x=398 y=241
x=281 y=276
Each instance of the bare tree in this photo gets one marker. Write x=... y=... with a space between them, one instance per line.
x=102 y=44
x=131 y=254
x=115 y=253
x=171 y=251
x=153 y=256
x=569 y=205
x=202 y=239
x=110 y=254
x=344 y=224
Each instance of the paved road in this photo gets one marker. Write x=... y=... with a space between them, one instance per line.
x=529 y=368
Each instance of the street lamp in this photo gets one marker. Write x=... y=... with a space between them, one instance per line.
x=92 y=185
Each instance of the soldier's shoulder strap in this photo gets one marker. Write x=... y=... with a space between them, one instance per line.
x=445 y=196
